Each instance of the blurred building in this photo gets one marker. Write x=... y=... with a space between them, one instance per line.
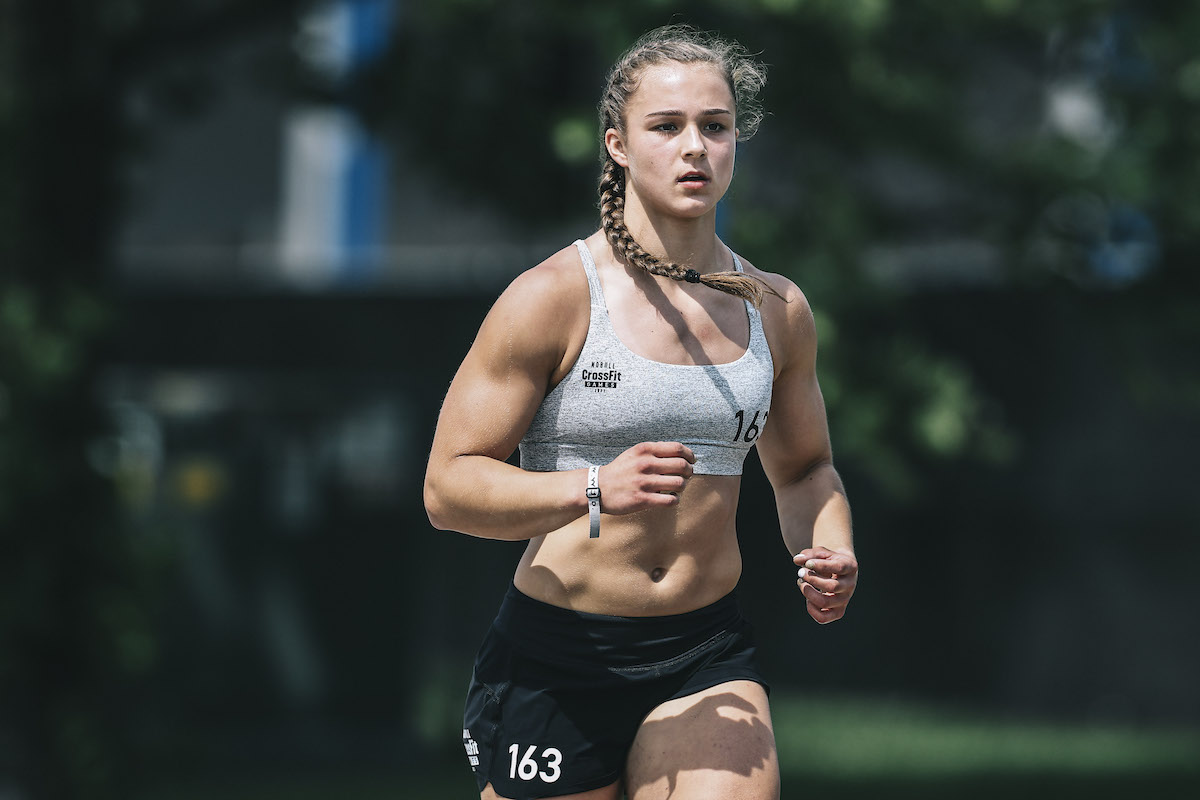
x=296 y=294
x=297 y=291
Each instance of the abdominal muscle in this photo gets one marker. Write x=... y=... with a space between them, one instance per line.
x=649 y=563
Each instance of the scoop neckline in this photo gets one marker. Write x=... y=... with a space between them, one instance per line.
x=608 y=317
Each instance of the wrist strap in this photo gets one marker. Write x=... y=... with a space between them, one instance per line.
x=593 y=498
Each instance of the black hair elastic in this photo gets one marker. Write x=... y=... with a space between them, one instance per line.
x=691 y=276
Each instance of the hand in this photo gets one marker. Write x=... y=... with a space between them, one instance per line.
x=827 y=580
x=647 y=475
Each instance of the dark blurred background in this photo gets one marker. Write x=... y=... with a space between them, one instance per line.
x=244 y=245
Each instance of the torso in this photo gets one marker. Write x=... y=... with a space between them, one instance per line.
x=666 y=560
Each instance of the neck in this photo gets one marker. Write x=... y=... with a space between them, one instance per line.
x=687 y=241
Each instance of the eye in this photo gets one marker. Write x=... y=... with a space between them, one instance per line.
x=714 y=127
x=665 y=127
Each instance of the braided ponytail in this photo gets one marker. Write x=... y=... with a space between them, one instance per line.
x=684 y=44
x=612 y=215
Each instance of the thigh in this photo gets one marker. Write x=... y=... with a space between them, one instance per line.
x=717 y=743
x=533 y=729
x=612 y=792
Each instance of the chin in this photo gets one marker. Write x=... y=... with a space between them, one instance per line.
x=686 y=206
x=694 y=210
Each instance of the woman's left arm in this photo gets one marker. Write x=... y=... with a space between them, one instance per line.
x=795 y=451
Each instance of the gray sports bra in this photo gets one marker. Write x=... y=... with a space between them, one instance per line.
x=614 y=398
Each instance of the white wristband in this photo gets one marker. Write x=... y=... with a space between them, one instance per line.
x=593 y=498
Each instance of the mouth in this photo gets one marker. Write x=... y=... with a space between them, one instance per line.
x=693 y=178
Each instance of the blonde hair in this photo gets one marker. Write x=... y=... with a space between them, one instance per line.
x=745 y=76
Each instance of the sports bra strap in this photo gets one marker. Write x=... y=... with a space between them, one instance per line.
x=589 y=267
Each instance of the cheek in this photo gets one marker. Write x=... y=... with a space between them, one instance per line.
x=725 y=157
x=730 y=155
x=646 y=162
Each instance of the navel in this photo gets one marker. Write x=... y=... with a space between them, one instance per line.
x=657 y=574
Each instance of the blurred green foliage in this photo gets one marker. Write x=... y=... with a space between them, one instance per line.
x=77 y=585
x=1059 y=139
x=856 y=748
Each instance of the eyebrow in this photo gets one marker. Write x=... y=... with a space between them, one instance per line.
x=710 y=112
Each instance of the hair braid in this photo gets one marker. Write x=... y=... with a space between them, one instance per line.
x=745 y=77
x=612 y=215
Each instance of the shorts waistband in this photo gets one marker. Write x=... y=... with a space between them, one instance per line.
x=554 y=633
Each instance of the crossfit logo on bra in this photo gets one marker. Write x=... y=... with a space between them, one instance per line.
x=600 y=375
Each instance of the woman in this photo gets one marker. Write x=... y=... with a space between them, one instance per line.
x=618 y=660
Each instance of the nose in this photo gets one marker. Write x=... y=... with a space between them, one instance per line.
x=693 y=143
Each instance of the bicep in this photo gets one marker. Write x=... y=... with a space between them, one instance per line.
x=490 y=403
x=797 y=439
x=505 y=375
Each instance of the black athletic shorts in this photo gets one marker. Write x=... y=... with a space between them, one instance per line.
x=557 y=695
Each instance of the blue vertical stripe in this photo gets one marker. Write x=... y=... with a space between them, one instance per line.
x=364 y=174
x=371 y=22
x=363 y=215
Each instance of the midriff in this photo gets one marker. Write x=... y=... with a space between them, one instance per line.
x=650 y=563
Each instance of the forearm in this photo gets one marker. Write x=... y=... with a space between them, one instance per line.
x=814 y=511
x=493 y=499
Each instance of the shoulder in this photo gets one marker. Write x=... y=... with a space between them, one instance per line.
x=555 y=283
x=542 y=311
x=788 y=322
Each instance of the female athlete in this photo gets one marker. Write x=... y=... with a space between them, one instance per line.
x=635 y=369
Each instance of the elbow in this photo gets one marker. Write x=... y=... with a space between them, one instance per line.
x=816 y=466
x=435 y=506
x=807 y=472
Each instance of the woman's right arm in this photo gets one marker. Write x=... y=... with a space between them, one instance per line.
x=538 y=323
x=469 y=487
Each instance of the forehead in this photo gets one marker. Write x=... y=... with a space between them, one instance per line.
x=679 y=86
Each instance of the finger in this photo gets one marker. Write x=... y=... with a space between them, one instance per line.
x=824 y=615
x=663 y=483
x=818 y=552
x=671 y=466
x=821 y=599
x=828 y=585
x=657 y=499
x=834 y=566
x=672 y=450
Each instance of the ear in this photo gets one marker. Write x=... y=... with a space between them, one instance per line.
x=616 y=147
